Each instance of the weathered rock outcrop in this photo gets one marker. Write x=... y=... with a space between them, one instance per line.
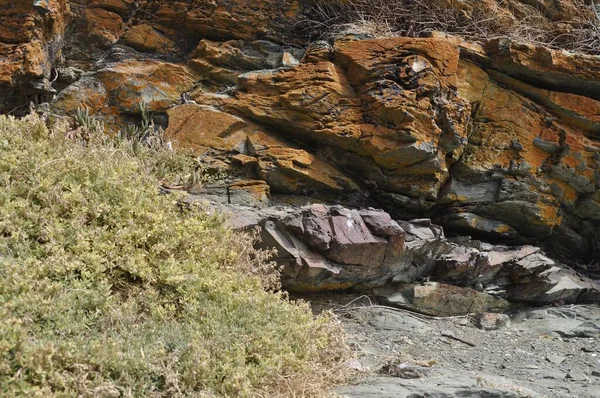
x=117 y=89
x=498 y=140
x=386 y=110
x=460 y=140
x=324 y=248
x=429 y=133
x=406 y=140
x=32 y=35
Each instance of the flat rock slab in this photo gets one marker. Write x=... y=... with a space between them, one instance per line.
x=510 y=362
x=389 y=320
x=440 y=299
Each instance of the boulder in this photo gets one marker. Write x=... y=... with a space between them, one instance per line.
x=146 y=38
x=101 y=27
x=203 y=128
x=544 y=67
x=492 y=321
x=395 y=116
x=328 y=248
x=255 y=151
x=438 y=299
x=117 y=90
x=333 y=248
x=224 y=62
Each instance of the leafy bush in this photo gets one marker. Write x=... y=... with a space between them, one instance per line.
x=110 y=289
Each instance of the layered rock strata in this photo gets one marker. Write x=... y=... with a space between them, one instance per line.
x=324 y=248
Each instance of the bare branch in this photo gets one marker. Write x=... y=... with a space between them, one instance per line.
x=475 y=21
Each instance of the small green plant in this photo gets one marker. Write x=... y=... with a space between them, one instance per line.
x=145 y=134
x=82 y=117
x=87 y=126
x=110 y=289
x=175 y=170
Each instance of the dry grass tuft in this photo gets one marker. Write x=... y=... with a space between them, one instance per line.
x=474 y=21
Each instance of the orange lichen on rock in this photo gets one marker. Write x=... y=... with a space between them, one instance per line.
x=144 y=37
x=286 y=169
x=31 y=40
x=258 y=189
x=361 y=58
x=358 y=105
x=203 y=128
x=103 y=27
x=158 y=84
x=549 y=214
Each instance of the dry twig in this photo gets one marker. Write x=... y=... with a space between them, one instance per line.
x=475 y=22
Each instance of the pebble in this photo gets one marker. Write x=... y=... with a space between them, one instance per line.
x=555 y=359
x=492 y=321
x=576 y=376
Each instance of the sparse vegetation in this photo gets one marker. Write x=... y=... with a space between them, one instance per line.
x=145 y=134
x=475 y=21
x=110 y=289
x=147 y=143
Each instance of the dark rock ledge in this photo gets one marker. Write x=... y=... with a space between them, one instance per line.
x=409 y=264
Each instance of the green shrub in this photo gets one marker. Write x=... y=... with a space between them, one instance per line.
x=110 y=289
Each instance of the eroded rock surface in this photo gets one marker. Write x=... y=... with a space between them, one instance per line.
x=32 y=36
x=430 y=134
x=329 y=248
x=529 y=357
x=461 y=143
x=431 y=127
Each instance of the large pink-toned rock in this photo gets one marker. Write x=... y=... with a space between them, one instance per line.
x=333 y=248
x=325 y=248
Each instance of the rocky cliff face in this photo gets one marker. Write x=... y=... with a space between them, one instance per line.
x=498 y=140
x=32 y=35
